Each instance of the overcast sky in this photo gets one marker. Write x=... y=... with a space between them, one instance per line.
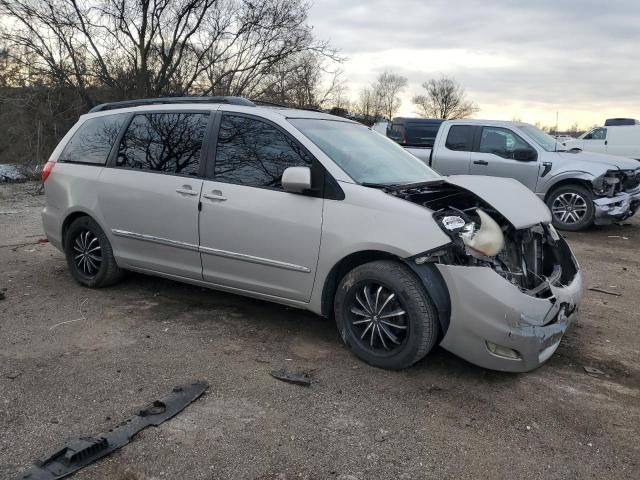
x=516 y=58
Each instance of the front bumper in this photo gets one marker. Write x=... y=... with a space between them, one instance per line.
x=616 y=208
x=487 y=308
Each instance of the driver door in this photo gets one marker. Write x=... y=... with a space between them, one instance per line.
x=494 y=156
x=254 y=236
x=596 y=140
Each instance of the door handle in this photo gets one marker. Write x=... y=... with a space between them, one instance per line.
x=481 y=162
x=186 y=190
x=215 y=195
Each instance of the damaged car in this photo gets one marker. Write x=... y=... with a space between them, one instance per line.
x=316 y=212
x=580 y=188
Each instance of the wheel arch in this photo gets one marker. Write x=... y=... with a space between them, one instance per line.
x=428 y=274
x=583 y=179
x=344 y=266
x=69 y=219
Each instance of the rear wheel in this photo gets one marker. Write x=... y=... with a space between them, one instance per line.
x=385 y=316
x=89 y=254
x=571 y=207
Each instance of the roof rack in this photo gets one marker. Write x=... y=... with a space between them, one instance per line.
x=172 y=100
x=282 y=105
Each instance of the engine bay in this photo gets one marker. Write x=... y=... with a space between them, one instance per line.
x=532 y=259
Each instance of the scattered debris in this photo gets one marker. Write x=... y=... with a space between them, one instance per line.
x=602 y=290
x=13 y=375
x=297 y=379
x=593 y=371
x=528 y=427
x=80 y=452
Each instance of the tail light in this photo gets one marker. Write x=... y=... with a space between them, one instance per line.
x=46 y=170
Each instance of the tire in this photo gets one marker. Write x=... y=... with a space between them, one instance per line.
x=89 y=254
x=571 y=216
x=415 y=331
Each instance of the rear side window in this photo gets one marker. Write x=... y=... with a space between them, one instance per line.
x=460 y=138
x=93 y=140
x=254 y=153
x=164 y=142
x=421 y=135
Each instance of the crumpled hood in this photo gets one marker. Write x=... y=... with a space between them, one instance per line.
x=611 y=161
x=519 y=205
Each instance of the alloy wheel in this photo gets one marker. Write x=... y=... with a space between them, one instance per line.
x=378 y=319
x=87 y=253
x=569 y=208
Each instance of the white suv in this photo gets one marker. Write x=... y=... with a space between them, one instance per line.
x=316 y=212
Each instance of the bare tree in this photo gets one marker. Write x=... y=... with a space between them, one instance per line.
x=387 y=89
x=445 y=98
x=142 y=48
x=308 y=81
x=367 y=104
x=574 y=129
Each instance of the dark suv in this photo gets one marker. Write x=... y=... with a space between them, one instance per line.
x=414 y=132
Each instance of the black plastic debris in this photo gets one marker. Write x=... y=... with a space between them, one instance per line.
x=80 y=452
x=602 y=290
x=296 y=379
x=593 y=371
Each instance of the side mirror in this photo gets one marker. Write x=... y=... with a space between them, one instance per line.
x=296 y=179
x=525 y=155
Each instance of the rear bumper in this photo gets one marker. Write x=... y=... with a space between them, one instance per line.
x=487 y=308
x=616 y=208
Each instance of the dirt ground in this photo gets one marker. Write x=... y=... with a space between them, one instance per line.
x=444 y=418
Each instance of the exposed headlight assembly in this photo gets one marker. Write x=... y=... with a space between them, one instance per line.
x=481 y=236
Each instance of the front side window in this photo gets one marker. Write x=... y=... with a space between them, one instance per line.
x=460 y=138
x=93 y=140
x=597 y=134
x=255 y=153
x=364 y=155
x=501 y=142
x=164 y=142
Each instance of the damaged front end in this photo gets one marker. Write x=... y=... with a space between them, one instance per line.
x=513 y=290
x=616 y=196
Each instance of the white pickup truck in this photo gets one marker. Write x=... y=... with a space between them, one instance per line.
x=580 y=188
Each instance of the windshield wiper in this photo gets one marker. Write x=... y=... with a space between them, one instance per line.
x=401 y=186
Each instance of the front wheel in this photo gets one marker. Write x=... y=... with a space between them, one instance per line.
x=385 y=315
x=571 y=207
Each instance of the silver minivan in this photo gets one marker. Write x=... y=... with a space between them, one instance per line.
x=316 y=212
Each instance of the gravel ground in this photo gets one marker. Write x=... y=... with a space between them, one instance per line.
x=443 y=418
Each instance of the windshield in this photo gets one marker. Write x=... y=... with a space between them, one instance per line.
x=543 y=139
x=368 y=157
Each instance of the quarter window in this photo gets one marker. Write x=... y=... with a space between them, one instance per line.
x=93 y=140
x=460 y=138
x=501 y=142
x=164 y=142
x=254 y=153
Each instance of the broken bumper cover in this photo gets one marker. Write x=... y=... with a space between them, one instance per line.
x=616 y=208
x=487 y=310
